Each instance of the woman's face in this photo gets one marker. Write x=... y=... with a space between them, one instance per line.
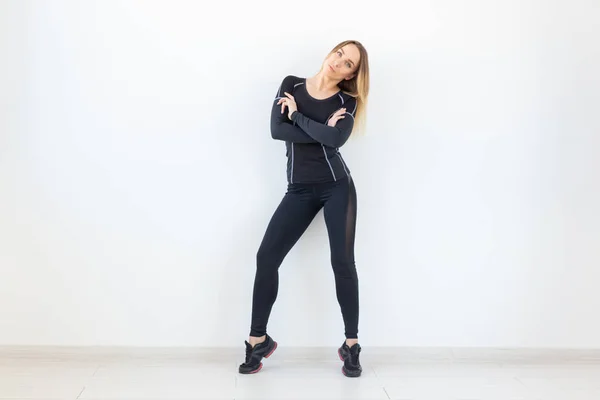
x=342 y=63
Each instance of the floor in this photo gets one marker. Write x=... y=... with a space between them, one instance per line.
x=401 y=374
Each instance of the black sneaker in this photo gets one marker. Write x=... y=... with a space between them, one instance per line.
x=349 y=355
x=255 y=354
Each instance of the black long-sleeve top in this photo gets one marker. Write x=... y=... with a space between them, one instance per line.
x=312 y=146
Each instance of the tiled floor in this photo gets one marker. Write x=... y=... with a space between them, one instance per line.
x=402 y=375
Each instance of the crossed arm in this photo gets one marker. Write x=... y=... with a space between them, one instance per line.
x=301 y=129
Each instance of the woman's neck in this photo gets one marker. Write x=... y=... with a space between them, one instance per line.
x=323 y=83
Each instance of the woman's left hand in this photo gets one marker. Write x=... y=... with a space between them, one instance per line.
x=290 y=102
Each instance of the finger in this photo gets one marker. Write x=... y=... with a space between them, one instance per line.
x=338 y=120
x=289 y=95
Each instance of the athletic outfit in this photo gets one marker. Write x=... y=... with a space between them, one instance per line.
x=317 y=178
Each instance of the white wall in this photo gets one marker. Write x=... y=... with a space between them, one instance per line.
x=137 y=174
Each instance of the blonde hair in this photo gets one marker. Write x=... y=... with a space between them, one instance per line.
x=358 y=86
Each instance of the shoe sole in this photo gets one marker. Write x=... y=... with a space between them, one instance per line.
x=255 y=371
x=261 y=364
x=349 y=375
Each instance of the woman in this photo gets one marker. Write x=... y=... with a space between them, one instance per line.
x=315 y=117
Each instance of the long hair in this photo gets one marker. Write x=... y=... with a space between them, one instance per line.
x=358 y=86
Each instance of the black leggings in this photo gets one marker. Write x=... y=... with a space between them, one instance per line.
x=296 y=211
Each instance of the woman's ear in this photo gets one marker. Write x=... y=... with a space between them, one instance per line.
x=350 y=77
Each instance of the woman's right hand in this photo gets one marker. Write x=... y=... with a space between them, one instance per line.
x=339 y=114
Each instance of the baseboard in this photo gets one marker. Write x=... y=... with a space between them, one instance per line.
x=393 y=354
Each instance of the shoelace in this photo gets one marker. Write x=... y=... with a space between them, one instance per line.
x=248 y=354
